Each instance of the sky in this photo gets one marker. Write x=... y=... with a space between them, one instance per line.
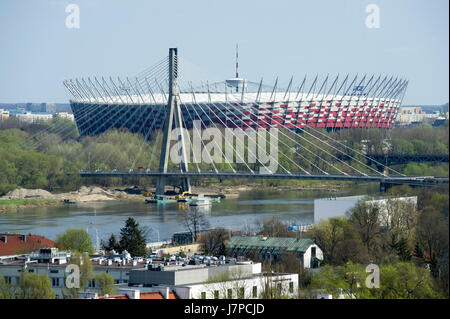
x=276 y=38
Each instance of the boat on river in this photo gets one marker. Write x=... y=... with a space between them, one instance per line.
x=203 y=200
x=159 y=199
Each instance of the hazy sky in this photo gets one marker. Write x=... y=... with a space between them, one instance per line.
x=278 y=37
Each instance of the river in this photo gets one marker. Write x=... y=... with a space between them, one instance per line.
x=101 y=219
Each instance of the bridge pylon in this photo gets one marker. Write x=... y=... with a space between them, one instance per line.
x=173 y=120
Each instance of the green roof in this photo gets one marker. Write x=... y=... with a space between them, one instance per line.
x=271 y=243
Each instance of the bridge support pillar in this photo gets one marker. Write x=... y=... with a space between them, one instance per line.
x=385 y=186
x=173 y=113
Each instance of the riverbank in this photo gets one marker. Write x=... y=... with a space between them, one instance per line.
x=29 y=198
x=13 y=204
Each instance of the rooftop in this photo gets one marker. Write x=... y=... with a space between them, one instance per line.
x=16 y=244
x=275 y=243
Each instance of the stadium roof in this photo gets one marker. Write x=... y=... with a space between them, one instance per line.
x=208 y=98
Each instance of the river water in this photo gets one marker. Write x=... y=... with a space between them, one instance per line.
x=101 y=219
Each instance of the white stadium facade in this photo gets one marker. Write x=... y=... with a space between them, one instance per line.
x=354 y=102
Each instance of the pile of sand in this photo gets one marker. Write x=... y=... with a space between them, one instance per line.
x=84 y=194
x=88 y=194
x=23 y=193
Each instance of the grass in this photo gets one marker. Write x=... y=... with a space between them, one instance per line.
x=22 y=203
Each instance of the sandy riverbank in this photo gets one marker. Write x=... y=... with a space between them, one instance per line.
x=23 y=198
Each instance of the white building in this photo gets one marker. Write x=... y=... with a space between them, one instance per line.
x=33 y=117
x=4 y=114
x=51 y=262
x=325 y=208
x=233 y=280
x=64 y=115
x=201 y=280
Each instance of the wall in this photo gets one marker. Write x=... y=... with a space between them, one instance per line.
x=307 y=255
x=325 y=208
x=247 y=284
x=187 y=249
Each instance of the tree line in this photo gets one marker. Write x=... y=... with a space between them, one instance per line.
x=409 y=244
x=39 y=155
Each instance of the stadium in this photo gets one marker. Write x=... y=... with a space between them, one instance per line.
x=139 y=105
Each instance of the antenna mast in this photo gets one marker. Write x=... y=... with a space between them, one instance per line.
x=237 y=74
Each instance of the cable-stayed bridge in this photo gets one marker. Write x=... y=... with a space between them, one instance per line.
x=157 y=100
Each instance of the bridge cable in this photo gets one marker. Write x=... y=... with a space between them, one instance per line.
x=226 y=141
x=319 y=149
x=124 y=122
x=218 y=108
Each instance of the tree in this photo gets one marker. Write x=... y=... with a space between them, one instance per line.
x=339 y=241
x=214 y=241
x=404 y=280
x=365 y=220
x=112 y=244
x=231 y=284
x=195 y=221
x=105 y=284
x=328 y=233
x=432 y=236
x=76 y=240
x=132 y=238
x=350 y=249
x=399 y=218
x=34 y=286
x=274 y=228
x=347 y=281
x=86 y=274
x=7 y=290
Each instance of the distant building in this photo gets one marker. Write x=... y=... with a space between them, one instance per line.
x=4 y=114
x=15 y=244
x=408 y=115
x=276 y=247
x=33 y=117
x=41 y=107
x=64 y=115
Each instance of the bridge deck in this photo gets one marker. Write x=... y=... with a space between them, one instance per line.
x=413 y=180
